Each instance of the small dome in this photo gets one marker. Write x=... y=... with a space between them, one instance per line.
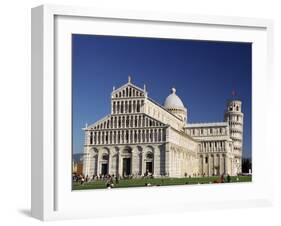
x=173 y=101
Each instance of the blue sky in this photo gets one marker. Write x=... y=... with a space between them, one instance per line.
x=204 y=73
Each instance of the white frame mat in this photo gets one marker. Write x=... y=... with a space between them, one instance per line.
x=52 y=197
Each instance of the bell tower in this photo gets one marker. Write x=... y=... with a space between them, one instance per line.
x=234 y=116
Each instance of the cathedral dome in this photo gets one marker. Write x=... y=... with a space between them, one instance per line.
x=173 y=101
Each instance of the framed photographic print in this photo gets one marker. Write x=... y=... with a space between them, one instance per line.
x=137 y=112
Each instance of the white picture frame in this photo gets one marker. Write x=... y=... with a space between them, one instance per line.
x=52 y=197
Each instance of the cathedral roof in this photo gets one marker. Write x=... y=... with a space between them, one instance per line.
x=173 y=101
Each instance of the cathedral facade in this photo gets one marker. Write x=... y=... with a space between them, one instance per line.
x=142 y=137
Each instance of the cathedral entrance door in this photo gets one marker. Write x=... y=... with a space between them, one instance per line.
x=126 y=166
x=104 y=169
x=149 y=167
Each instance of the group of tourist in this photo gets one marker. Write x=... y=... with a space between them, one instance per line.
x=110 y=180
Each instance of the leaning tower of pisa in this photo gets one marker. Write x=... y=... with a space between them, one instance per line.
x=234 y=116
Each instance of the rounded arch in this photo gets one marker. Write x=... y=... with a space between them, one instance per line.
x=104 y=150
x=127 y=150
x=149 y=155
x=94 y=151
x=140 y=149
x=105 y=157
x=148 y=160
x=149 y=148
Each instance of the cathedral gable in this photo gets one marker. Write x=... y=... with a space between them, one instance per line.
x=128 y=90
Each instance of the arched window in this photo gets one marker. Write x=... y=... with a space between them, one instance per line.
x=118 y=137
x=151 y=135
x=122 y=107
x=119 y=122
x=91 y=138
x=149 y=155
x=206 y=160
x=105 y=157
x=95 y=137
x=127 y=150
x=106 y=137
x=139 y=136
x=127 y=136
x=130 y=106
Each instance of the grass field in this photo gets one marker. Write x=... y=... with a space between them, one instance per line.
x=100 y=184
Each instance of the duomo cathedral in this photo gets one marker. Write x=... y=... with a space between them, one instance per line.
x=141 y=136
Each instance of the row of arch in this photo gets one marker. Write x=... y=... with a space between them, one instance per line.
x=236 y=108
x=183 y=163
x=236 y=134
x=129 y=121
x=235 y=123
x=127 y=136
x=234 y=118
x=207 y=131
x=127 y=106
x=129 y=92
x=213 y=164
x=123 y=161
x=212 y=146
x=235 y=138
x=105 y=152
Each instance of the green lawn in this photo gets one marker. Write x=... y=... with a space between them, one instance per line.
x=100 y=184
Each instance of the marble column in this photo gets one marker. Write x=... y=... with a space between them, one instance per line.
x=156 y=162
x=167 y=160
x=143 y=166
x=110 y=162
x=226 y=164
x=134 y=161
x=98 y=162
x=119 y=163
x=204 y=166
x=86 y=163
